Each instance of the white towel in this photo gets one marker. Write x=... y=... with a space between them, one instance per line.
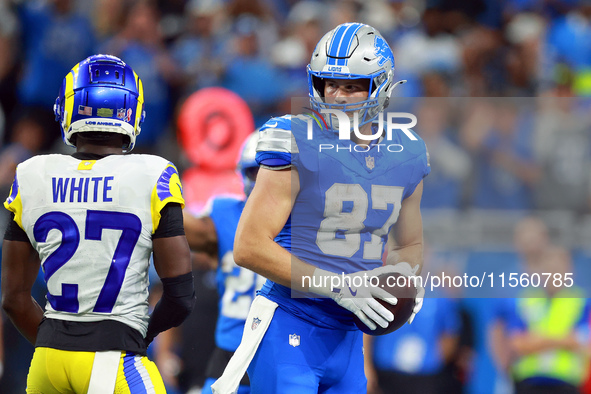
x=258 y=320
x=104 y=372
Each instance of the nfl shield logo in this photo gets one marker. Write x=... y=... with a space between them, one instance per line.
x=294 y=340
x=255 y=323
x=370 y=162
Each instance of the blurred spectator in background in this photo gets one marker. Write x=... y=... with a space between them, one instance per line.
x=563 y=149
x=450 y=164
x=428 y=48
x=26 y=141
x=9 y=28
x=304 y=27
x=531 y=241
x=524 y=35
x=483 y=58
x=531 y=238
x=550 y=331
x=108 y=18
x=435 y=84
x=411 y=360
x=250 y=74
x=392 y=18
x=567 y=42
x=54 y=36
x=140 y=45
x=201 y=50
x=498 y=135
x=267 y=26
x=342 y=12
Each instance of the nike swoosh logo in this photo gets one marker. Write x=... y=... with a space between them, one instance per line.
x=272 y=124
x=353 y=293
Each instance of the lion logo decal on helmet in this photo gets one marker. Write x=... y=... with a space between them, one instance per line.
x=382 y=51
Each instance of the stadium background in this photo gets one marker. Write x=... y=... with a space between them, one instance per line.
x=500 y=89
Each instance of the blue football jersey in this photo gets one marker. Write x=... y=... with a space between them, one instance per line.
x=350 y=196
x=236 y=285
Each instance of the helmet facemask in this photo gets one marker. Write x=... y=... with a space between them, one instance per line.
x=367 y=110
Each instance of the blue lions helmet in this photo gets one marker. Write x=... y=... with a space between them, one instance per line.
x=101 y=93
x=353 y=51
x=247 y=165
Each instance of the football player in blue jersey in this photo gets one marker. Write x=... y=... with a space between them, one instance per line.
x=319 y=221
x=213 y=233
x=92 y=220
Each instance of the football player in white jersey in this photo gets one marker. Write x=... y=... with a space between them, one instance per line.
x=92 y=220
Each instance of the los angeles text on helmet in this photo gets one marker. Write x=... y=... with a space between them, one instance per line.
x=345 y=130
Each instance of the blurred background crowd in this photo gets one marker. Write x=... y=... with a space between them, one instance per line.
x=501 y=90
x=259 y=49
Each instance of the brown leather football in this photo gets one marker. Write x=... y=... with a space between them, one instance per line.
x=401 y=311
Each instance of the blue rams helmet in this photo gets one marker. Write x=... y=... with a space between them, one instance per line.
x=247 y=165
x=353 y=51
x=101 y=93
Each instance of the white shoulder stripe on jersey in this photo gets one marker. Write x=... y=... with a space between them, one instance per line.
x=277 y=140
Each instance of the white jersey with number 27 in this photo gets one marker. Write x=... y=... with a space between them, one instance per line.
x=92 y=223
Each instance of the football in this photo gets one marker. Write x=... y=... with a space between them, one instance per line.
x=401 y=311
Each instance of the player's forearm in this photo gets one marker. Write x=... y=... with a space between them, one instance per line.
x=263 y=218
x=201 y=234
x=405 y=242
x=198 y=243
x=178 y=298
x=412 y=254
x=267 y=258
x=26 y=315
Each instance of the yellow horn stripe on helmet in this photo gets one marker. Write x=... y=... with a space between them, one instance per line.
x=69 y=95
x=140 y=102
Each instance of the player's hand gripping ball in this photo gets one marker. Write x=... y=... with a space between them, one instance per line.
x=406 y=295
